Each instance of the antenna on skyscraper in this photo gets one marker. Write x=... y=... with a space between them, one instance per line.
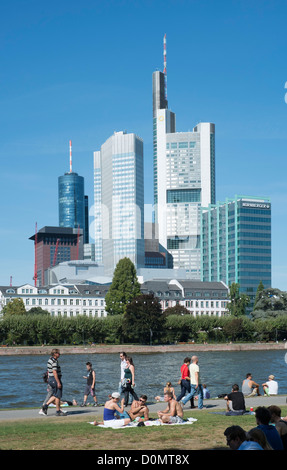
x=164 y=64
x=70 y=156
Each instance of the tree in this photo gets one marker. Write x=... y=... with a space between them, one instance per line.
x=259 y=291
x=272 y=303
x=14 y=307
x=176 y=310
x=143 y=319
x=238 y=301
x=124 y=288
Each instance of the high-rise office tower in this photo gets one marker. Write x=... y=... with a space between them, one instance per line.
x=184 y=180
x=236 y=243
x=54 y=245
x=119 y=201
x=72 y=201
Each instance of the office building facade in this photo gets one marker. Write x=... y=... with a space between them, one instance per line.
x=73 y=204
x=184 y=180
x=236 y=243
x=119 y=201
x=54 y=245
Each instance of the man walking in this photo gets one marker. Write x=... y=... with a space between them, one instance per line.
x=55 y=381
x=195 y=384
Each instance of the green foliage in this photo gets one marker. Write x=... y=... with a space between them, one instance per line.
x=272 y=303
x=124 y=288
x=259 y=291
x=176 y=310
x=15 y=307
x=238 y=301
x=143 y=320
x=142 y=323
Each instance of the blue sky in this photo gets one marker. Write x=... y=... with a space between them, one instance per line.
x=81 y=70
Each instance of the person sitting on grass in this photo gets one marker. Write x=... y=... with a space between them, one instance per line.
x=173 y=414
x=167 y=388
x=139 y=409
x=237 y=402
x=111 y=407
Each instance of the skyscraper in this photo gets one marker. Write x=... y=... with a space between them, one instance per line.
x=184 y=179
x=119 y=201
x=236 y=243
x=72 y=201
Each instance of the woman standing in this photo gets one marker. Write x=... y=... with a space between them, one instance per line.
x=129 y=381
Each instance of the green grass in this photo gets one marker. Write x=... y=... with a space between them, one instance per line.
x=75 y=433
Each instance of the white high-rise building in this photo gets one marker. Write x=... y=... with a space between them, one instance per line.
x=119 y=201
x=184 y=180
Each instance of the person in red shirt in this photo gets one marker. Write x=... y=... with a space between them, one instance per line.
x=184 y=382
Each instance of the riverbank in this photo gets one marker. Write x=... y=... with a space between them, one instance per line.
x=141 y=349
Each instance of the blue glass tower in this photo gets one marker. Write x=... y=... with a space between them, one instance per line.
x=71 y=201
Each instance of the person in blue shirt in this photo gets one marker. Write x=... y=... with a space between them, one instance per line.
x=236 y=439
x=263 y=419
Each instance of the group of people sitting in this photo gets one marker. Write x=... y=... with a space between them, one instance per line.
x=116 y=416
x=269 y=434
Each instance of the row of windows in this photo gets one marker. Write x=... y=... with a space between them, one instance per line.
x=90 y=313
x=89 y=302
x=180 y=145
x=183 y=195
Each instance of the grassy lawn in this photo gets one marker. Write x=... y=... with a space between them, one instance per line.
x=75 y=433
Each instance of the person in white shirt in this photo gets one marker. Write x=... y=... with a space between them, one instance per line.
x=271 y=386
x=123 y=357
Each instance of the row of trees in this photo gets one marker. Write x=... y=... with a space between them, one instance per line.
x=130 y=328
x=134 y=317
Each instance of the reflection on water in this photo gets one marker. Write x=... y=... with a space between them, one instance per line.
x=21 y=383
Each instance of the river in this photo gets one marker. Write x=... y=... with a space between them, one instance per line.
x=21 y=383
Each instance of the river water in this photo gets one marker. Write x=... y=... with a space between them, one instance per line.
x=21 y=383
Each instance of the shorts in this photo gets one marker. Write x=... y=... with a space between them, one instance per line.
x=56 y=392
x=175 y=420
x=114 y=423
x=89 y=390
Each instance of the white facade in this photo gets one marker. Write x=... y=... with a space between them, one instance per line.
x=59 y=300
x=185 y=181
x=119 y=201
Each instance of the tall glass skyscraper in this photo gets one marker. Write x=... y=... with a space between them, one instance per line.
x=184 y=180
x=119 y=201
x=236 y=243
x=71 y=201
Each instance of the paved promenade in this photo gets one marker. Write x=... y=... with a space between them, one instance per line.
x=211 y=405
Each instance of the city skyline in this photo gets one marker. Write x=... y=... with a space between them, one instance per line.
x=61 y=79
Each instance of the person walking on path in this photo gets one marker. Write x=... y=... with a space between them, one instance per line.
x=249 y=387
x=184 y=381
x=90 y=386
x=55 y=381
x=129 y=381
x=195 y=384
x=123 y=358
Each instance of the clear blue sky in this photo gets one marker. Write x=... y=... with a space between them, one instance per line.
x=81 y=70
